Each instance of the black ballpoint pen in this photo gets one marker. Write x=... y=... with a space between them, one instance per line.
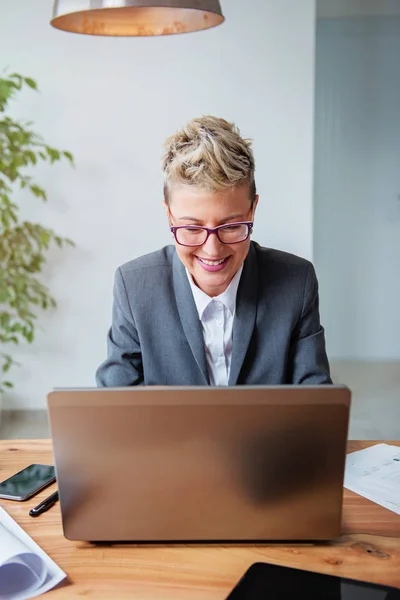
x=44 y=505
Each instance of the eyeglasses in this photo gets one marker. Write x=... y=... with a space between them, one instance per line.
x=193 y=235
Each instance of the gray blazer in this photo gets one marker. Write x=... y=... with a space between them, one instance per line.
x=156 y=336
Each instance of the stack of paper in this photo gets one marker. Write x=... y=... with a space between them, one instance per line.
x=375 y=474
x=25 y=569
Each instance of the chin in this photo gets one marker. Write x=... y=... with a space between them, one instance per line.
x=211 y=282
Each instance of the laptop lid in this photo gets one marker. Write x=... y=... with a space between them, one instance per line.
x=158 y=464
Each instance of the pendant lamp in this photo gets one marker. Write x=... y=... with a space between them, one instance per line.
x=135 y=17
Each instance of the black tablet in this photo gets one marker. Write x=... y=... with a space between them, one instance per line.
x=263 y=581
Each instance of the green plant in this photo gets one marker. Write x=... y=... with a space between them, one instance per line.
x=23 y=244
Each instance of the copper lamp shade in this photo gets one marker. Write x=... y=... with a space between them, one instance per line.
x=135 y=17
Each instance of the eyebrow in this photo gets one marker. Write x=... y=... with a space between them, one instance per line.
x=236 y=216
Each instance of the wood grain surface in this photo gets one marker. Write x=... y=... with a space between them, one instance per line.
x=369 y=548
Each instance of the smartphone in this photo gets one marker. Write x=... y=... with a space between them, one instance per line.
x=28 y=482
x=263 y=581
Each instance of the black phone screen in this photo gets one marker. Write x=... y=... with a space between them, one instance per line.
x=271 y=582
x=27 y=482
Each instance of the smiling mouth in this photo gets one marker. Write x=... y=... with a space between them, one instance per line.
x=213 y=263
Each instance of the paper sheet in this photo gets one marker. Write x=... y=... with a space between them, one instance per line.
x=26 y=571
x=375 y=474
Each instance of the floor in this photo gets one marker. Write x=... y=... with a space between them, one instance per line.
x=375 y=387
x=24 y=424
x=375 y=412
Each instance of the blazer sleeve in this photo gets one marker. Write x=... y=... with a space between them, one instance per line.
x=123 y=365
x=310 y=364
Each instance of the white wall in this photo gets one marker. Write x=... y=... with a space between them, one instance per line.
x=112 y=102
x=357 y=186
x=357 y=8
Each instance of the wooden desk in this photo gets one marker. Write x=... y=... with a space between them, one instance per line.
x=368 y=549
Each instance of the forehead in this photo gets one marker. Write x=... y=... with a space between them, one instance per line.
x=187 y=201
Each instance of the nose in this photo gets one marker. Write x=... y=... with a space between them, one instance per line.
x=212 y=247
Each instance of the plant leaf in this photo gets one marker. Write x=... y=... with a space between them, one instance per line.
x=53 y=154
x=38 y=191
x=69 y=156
x=31 y=82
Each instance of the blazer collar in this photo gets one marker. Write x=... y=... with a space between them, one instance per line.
x=245 y=315
x=189 y=315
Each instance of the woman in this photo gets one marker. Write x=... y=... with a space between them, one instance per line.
x=214 y=308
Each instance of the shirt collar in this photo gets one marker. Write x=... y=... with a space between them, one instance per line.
x=228 y=297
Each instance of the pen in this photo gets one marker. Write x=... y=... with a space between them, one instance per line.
x=44 y=505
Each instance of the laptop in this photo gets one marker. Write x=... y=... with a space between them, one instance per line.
x=200 y=464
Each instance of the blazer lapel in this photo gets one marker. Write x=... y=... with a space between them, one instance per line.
x=189 y=316
x=245 y=314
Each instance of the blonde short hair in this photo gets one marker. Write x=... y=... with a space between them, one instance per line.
x=210 y=154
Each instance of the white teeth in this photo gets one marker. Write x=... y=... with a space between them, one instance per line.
x=212 y=263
